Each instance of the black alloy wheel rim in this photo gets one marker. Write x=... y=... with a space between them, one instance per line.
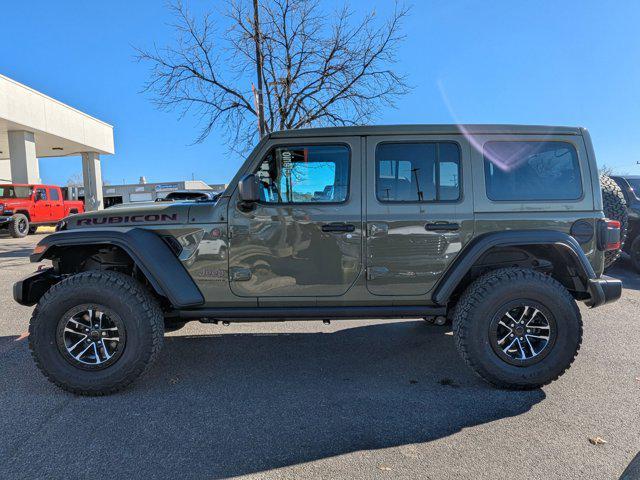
x=522 y=333
x=91 y=337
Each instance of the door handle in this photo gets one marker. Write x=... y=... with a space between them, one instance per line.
x=338 y=227
x=442 y=227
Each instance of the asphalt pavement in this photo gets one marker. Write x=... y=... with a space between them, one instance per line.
x=354 y=399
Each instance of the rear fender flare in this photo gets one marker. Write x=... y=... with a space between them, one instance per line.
x=510 y=238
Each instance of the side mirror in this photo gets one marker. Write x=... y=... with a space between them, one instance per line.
x=249 y=188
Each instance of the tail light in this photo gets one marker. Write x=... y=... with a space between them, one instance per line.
x=609 y=235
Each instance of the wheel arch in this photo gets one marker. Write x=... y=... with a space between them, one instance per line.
x=553 y=252
x=147 y=251
x=25 y=213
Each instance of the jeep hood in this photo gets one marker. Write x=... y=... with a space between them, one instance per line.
x=10 y=203
x=158 y=213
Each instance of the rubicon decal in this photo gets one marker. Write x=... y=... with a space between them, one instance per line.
x=128 y=219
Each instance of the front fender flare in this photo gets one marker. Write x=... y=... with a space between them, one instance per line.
x=150 y=253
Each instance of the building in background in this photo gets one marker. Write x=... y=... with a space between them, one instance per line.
x=143 y=192
x=34 y=126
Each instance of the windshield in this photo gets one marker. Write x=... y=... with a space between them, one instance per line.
x=10 y=191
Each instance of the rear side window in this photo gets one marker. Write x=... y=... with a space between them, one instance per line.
x=530 y=171
x=305 y=174
x=418 y=172
x=54 y=194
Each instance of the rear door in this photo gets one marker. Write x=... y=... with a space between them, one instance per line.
x=304 y=237
x=57 y=205
x=419 y=210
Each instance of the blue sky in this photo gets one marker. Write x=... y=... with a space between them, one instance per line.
x=542 y=62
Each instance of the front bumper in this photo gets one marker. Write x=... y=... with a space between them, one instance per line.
x=31 y=288
x=603 y=290
x=4 y=219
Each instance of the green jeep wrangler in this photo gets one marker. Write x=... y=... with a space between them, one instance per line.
x=497 y=228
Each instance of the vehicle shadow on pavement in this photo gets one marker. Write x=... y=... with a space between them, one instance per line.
x=218 y=406
x=16 y=251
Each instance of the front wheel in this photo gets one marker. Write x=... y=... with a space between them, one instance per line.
x=19 y=226
x=95 y=332
x=517 y=328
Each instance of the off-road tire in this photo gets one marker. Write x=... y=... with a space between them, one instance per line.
x=615 y=208
x=19 y=226
x=138 y=310
x=634 y=253
x=485 y=297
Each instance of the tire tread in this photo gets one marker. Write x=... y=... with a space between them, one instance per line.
x=136 y=293
x=473 y=297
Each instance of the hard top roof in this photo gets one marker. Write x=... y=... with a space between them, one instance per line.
x=427 y=129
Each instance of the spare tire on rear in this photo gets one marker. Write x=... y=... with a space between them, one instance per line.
x=615 y=208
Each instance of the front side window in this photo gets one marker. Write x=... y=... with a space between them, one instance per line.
x=530 y=171
x=41 y=194
x=417 y=172
x=305 y=174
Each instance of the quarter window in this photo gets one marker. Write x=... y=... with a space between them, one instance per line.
x=418 y=172
x=305 y=174
x=529 y=171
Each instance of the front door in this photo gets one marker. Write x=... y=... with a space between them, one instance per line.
x=41 y=206
x=419 y=212
x=304 y=237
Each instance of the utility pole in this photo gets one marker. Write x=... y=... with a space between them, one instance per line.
x=260 y=103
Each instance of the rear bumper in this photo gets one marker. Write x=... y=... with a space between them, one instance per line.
x=604 y=290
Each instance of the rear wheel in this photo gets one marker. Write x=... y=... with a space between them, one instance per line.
x=19 y=226
x=95 y=332
x=517 y=328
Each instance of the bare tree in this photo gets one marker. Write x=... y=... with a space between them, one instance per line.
x=75 y=180
x=314 y=71
x=605 y=170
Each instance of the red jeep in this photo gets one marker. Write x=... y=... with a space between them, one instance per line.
x=25 y=207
